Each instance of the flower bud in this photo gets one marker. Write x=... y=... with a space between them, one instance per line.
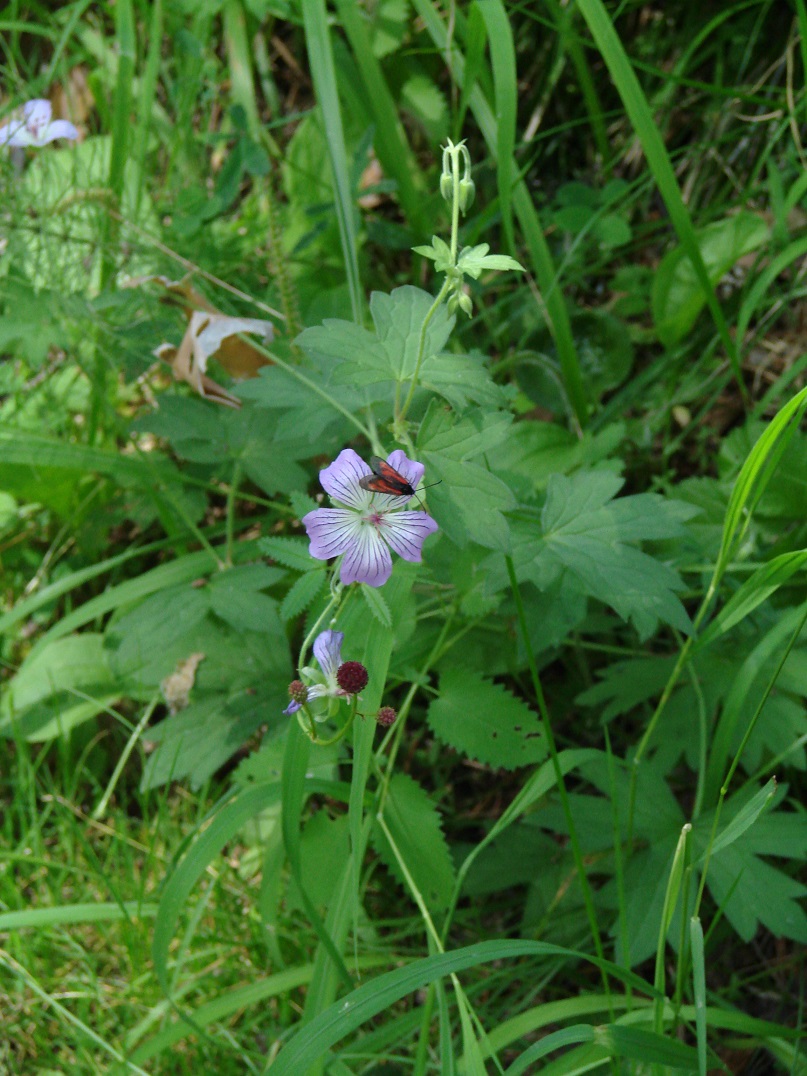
x=447 y=186
x=352 y=677
x=467 y=194
x=386 y=716
x=298 y=692
x=466 y=306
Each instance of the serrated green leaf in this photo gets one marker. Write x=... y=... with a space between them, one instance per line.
x=473 y=260
x=474 y=434
x=389 y=354
x=422 y=98
x=587 y=538
x=462 y=380
x=414 y=823
x=302 y=503
x=302 y=593
x=291 y=552
x=751 y=892
x=377 y=605
x=245 y=610
x=484 y=721
x=469 y=502
x=347 y=342
x=148 y=640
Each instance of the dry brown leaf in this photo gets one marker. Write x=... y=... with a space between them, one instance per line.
x=176 y=687
x=210 y=334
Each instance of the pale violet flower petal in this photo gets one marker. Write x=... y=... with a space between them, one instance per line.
x=371 y=524
x=58 y=129
x=410 y=469
x=10 y=132
x=331 y=531
x=36 y=127
x=367 y=560
x=293 y=707
x=316 y=691
x=341 y=480
x=37 y=115
x=405 y=532
x=328 y=652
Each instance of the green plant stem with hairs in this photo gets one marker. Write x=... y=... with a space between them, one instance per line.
x=455 y=158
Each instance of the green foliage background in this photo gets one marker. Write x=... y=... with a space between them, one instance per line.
x=582 y=844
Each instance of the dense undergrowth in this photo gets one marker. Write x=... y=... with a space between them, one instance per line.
x=535 y=802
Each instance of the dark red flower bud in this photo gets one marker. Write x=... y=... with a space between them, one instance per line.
x=352 y=677
x=298 y=692
x=386 y=716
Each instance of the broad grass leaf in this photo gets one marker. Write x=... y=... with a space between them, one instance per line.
x=755 y=590
x=484 y=721
x=62 y=685
x=745 y=817
x=413 y=821
x=678 y=297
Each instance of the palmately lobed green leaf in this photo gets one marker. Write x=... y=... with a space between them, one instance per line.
x=586 y=537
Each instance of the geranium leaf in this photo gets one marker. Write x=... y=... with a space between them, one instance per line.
x=484 y=721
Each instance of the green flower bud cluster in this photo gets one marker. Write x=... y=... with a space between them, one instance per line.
x=456 y=158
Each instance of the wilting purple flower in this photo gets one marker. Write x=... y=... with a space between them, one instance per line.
x=328 y=652
x=36 y=128
x=371 y=524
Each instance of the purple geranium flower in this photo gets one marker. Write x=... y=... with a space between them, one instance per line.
x=329 y=684
x=371 y=524
x=36 y=128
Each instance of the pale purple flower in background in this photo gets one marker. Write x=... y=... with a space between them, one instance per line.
x=371 y=525
x=36 y=128
x=330 y=682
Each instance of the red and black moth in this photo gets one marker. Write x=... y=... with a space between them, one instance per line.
x=385 y=479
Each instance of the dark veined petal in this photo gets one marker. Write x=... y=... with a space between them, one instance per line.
x=331 y=531
x=367 y=560
x=341 y=480
x=328 y=652
x=405 y=532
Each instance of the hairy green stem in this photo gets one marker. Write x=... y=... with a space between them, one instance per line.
x=401 y=415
